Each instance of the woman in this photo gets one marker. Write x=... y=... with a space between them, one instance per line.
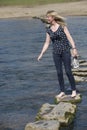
x=59 y=35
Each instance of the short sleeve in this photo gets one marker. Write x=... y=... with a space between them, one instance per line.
x=48 y=30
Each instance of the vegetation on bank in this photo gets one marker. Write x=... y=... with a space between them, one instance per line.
x=31 y=2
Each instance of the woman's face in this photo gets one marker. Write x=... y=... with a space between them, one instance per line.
x=50 y=19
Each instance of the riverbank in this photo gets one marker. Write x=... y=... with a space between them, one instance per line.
x=65 y=9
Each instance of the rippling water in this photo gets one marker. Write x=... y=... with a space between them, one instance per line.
x=26 y=84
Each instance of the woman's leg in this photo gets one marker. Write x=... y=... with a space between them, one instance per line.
x=67 y=64
x=58 y=63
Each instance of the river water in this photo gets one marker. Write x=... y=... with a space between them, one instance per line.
x=25 y=83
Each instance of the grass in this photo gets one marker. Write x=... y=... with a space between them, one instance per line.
x=31 y=2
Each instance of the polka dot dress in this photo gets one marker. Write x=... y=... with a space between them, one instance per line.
x=59 y=40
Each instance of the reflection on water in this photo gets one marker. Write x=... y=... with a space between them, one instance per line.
x=26 y=84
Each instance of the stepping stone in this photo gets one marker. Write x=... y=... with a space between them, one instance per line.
x=80 y=78
x=68 y=98
x=62 y=112
x=43 y=125
x=80 y=74
x=82 y=61
x=83 y=64
x=84 y=69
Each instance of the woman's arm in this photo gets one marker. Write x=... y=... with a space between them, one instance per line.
x=45 y=47
x=74 y=50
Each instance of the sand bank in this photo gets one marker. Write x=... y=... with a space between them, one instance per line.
x=65 y=9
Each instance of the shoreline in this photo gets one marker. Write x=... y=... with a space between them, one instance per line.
x=64 y=9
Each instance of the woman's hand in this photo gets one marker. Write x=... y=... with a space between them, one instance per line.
x=45 y=47
x=74 y=52
x=39 y=57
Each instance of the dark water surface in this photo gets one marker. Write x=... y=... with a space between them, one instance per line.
x=26 y=84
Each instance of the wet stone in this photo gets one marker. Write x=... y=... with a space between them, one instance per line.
x=80 y=74
x=80 y=78
x=68 y=98
x=82 y=61
x=83 y=64
x=43 y=125
x=81 y=69
x=62 y=112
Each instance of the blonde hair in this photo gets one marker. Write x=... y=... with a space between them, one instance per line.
x=59 y=19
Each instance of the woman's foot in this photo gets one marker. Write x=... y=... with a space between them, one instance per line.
x=73 y=94
x=60 y=95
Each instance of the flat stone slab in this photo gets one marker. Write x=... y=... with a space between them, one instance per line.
x=83 y=64
x=82 y=61
x=80 y=73
x=68 y=98
x=83 y=69
x=80 y=78
x=43 y=125
x=63 y=112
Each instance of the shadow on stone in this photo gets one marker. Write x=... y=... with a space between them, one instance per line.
x=69 y=127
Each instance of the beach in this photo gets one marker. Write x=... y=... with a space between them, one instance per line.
x=65 y=9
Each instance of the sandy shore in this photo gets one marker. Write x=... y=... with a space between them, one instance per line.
x=65 y=9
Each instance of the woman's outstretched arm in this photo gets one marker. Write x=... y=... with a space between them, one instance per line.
x=45 y=47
